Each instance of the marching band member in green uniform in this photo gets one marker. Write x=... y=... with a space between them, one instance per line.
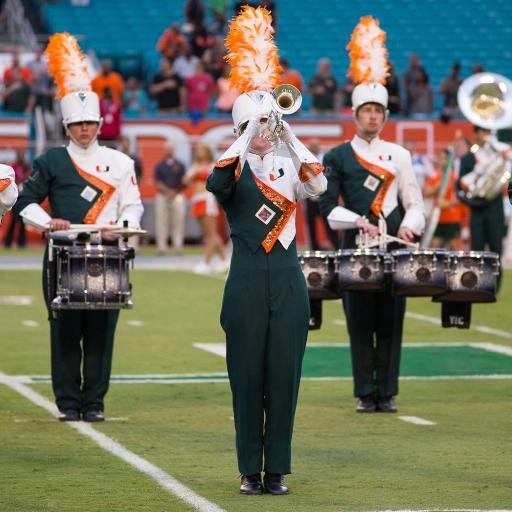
x=487 y=217
x=86 y=184
x=8 y=189
x=265 y=309
x=380 y=193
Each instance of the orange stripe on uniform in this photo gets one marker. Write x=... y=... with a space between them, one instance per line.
x=281 y=202
x=309 y=170
x=4 y=183
x=107 y=191
x=230 y=161
x=383 y=174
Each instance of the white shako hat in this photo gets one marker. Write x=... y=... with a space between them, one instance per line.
x=369 y=93
x=254 y=60
x=80 y=106
x=249 y=105
x=67 y=66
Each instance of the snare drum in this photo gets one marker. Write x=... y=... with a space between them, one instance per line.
x=89 y=277
x=419 y=273
x=320 y=270
x=362 y=269
x=472 y=277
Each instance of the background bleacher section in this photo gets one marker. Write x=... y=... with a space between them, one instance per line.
x=441 y=32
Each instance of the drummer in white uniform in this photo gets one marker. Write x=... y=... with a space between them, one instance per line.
x=8 y=189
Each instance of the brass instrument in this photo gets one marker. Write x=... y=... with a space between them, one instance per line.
x=485 y=99
x=287 y=99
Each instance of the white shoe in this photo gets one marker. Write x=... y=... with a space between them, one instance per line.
x=222 y=266
x=202 y=268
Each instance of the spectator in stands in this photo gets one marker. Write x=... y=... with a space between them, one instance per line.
x=201 y=40
x=108 y=78
x=111 y=112
x=213 y=58
x=168 y=89
x=421 y=164
x=313 y=211
x=135 y=99
x=323 y=89
x=411 y=78
x=291 y=76
x=185 y=64
x=21 y=173
x=125 y=147
x=346 y=94
x=41 y=92
x=219 y=10
x=17 y=69
x=393 y=87
x=205 y=209
x=421 y=96
x=477 y=68
x=171 y=42
x=16 y=93
x=194 y=15
x=449 y=88
x=200 y=90
x=447 y=233
x=169 y=202
x=226 y=96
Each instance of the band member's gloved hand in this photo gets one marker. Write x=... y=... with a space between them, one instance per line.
x=57 y=224
x=286 y=134
x=408 y=234
x=253 y=127
x=367 y=227
x=109 y=233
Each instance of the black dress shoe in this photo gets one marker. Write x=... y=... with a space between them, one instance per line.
x=251 y=484
x=274 y=484
x=69 y=415
x=386 y=404
x=93 y=416
x=365 y=404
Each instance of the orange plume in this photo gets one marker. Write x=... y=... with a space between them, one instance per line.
x=252 y=52
x=66 y=64
x=368 y=54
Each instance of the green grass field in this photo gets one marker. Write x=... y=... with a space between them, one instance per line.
x=342 y=461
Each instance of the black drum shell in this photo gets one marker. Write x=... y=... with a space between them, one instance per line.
x=320 y=273
x=473 y=277
x=363 y=270
x=419 y=273
x=90 y=277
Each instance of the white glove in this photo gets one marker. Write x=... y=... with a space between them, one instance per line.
x=286 y=134
x=253 y=128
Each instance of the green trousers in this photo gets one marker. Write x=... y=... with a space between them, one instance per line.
x=487 y=226
x=79 y=339
x=265 y=314
x=375 y=324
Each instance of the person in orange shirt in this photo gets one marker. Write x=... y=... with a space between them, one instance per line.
x=171 y=42
x=108 y=78
x=291 y=76
x=447 y=233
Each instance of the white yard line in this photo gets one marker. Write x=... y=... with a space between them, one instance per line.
x=16 y=300
x=480 y=328
x=29 y=323
x=415 y=420
x=165 y=480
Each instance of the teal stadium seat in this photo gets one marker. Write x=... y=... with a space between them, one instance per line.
x=468 y=32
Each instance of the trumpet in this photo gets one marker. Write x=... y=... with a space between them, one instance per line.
x=286 y=99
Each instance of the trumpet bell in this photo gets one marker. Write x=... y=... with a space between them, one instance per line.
x=288 y=98
x=485 y=99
